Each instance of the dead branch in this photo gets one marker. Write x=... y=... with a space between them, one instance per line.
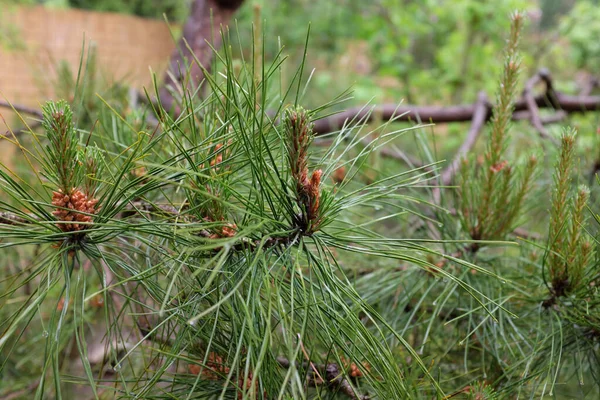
x=564 y=104
x=397 y=154
x=557 y=117
x=462 y=113
x=479 y=118
x=542 y=76
x=30 y=127
x=22 y=109
x=478 y=113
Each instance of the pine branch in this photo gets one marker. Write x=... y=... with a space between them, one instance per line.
x=332 y=374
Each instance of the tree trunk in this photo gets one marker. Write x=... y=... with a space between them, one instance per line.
x=202 y=27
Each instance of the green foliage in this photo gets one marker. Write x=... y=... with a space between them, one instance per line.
x=570 y=249
x=213 y=219
x=434 y=50
x=63 y=165
x=579 y=27
x=491 y=193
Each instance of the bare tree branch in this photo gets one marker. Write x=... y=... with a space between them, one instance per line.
x=22 y=109
x=30 y=127
x=398 y=154
x=479 y=117
x=542 y=75
x=558 y=116
x=462 y=113
x=525 y=108
x=563 y=103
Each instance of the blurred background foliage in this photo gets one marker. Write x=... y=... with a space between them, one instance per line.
x=422 y=52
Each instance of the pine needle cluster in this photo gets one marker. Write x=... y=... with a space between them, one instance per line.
x=571 y=248
x=492 y=188
x=308 y=190
x=72 y=168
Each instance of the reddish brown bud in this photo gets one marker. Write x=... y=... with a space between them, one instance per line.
x=315 y=180
x=73 y=207
x=499 y=167
x=339 y=175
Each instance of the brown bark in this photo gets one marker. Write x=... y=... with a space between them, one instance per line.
x=201 y=31
x=477 y=123
x=462 y=113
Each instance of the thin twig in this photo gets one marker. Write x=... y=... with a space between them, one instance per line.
x=7 y=218
x=333 y=375
x=30 y=127
x=312 y=365
x=397 y=154
x=557 y=117
x=393 y=153
x=477 y=123
x=525 y=234
x=542 y=76
x=527 y=107
x=479 y=118
x=22 y=109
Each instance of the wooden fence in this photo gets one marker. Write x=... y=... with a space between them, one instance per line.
x=35 y=40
